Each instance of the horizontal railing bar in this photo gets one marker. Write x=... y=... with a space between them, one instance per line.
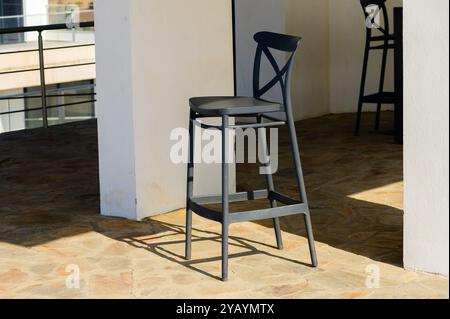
x=69 y=118
x=49 y=95
x=68 y=66
x=21 y=51
x=69 y=47
x=49 y=68
x=66 y=118
x=71 y=104
x=57 y=90
x=19 y=71
x=40 y=28
x=48 y=107
x=21 y=111
x=49 y=48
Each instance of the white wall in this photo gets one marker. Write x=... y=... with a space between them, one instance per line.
x=347 y=42
x=253 y=16
x=306 y=18
x=426 y=124
x=165 y=52
x=310 y=20
x=182 y=49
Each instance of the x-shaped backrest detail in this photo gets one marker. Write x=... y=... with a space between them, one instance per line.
x=279 y=73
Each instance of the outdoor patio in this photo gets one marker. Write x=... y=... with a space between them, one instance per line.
x=50 y=221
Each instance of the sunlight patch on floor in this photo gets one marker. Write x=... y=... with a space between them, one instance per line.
x=388 y=195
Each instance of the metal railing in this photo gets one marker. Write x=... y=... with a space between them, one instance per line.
x=42 y=68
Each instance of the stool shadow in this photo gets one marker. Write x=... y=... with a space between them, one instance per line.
x=160 y=249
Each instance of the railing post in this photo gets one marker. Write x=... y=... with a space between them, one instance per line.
x=42 y=75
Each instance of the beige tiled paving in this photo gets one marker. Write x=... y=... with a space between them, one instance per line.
x=50 y=223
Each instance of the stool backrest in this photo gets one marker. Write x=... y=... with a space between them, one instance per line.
x=382 y=9
x=280 y=42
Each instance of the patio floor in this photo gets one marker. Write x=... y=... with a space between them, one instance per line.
x=50 y=225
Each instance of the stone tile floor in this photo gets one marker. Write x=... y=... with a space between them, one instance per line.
x=50 y=225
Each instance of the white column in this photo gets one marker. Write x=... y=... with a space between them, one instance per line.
x=115 y=108
x=151 y=57
x=426 y=103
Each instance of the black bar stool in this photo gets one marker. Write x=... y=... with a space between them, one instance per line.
x=373 y=43
x=267 y=114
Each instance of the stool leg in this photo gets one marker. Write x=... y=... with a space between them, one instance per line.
x=381 y=87
x=312 y=247
x=362 y=88
x=225 y=191
x=301 y=188
x=190 y=188
x=377 y=120
x=276 y=225
x=270 y=184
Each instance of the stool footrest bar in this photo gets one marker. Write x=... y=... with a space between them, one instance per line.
x=268 y=213
x=293 y=207
x=238 y=197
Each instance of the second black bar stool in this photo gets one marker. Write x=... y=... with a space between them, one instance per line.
x=267 y=114
x=373 y=43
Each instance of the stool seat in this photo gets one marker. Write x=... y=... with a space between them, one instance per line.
x=232 y=105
